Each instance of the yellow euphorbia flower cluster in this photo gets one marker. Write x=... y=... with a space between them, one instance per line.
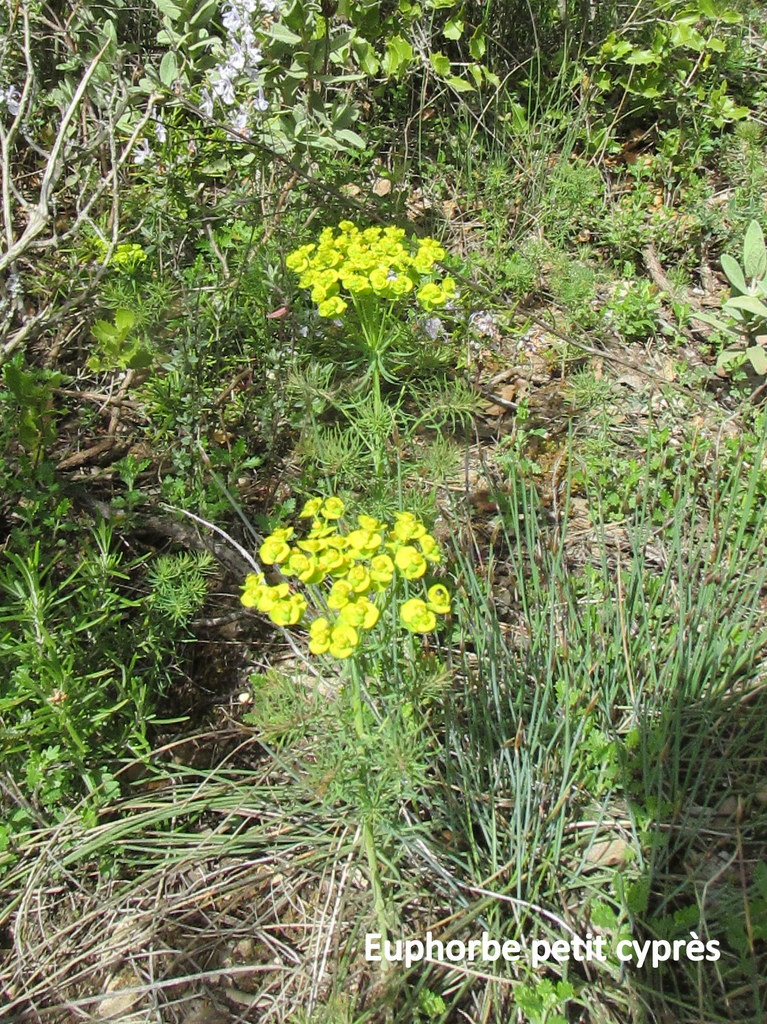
x=370 y=262
x=357 y=568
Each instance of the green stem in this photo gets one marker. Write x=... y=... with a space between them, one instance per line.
x=368 y=835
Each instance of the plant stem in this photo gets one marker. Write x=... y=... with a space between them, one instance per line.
x=368 y=835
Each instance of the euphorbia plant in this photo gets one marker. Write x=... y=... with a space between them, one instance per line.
x=348 y=581
x=365 y=278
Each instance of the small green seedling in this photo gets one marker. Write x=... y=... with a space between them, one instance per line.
x=119 y=351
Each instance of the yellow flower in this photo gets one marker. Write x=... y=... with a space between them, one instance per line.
x=430 y=548
x=352 y=614
x=407 y=527
x=370 y=524
x=319 y=636
x=333 y=306
x=254 y=584
x=439 y=599
x=410 y=562
x=341 y=593
x=333 y=562
x=364 y=543
x=263 y=598
x=430 y=296
x=332 y=508
x=372 y=614
x=359 y=579
x=288 y=612
x=381 y=571
x=311 y=509
x=306 y=568
x=275 y=548
x=417 y=617
x=344 y=641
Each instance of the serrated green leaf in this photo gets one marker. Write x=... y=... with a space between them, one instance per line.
x=458 y=84
x=603 y=916
x=168 y=69
x=754 y=251
x=398 y=55
x=477 y=44
x=124 y=320
x=639 y=58
x=139 y=359
x=683 y=34
x=731 y=267
x=453 y=28
x=105 y=333
x=440 y=63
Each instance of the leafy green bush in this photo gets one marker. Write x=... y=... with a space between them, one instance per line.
x=84 y=659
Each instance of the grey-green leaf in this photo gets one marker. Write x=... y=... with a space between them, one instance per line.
x=748 y=303
x=168 y=69
x=758 y=358
x=731 y=267
x=754 y=252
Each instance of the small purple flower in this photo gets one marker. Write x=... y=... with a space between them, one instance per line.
x=12 y=99
x=141 y=152
x=206 y=103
